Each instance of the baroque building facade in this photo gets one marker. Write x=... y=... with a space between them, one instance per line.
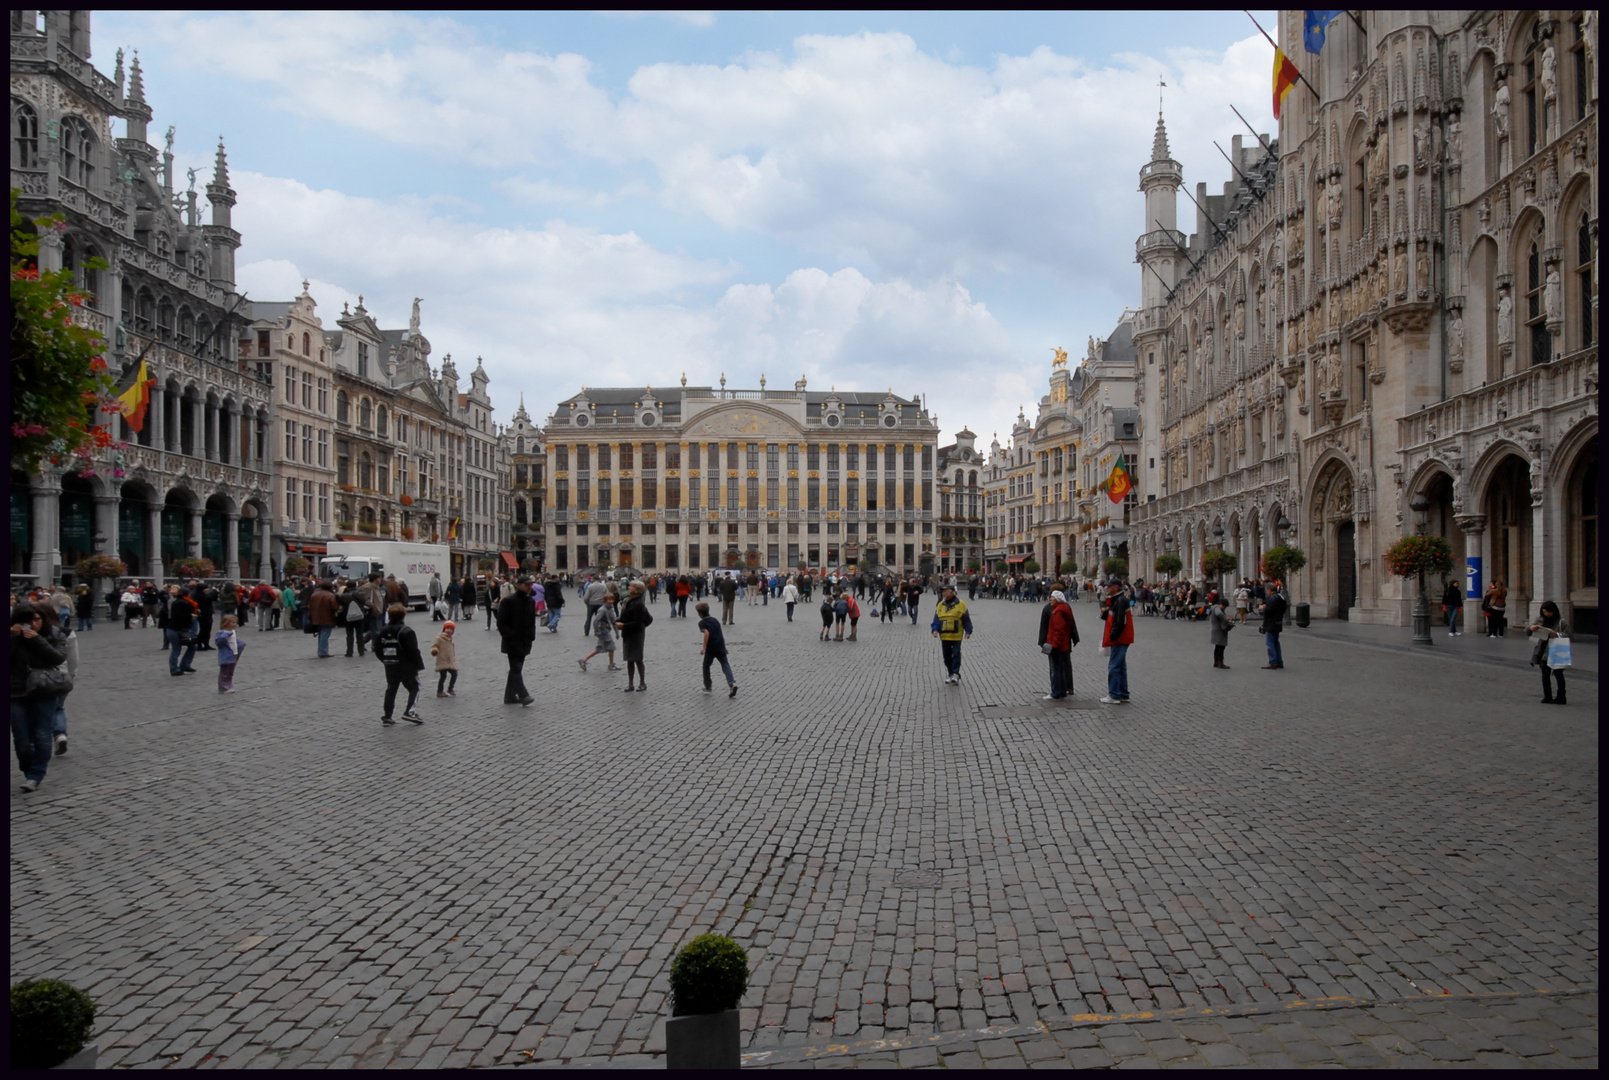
x=1388 y=321
x=701 y=478
x=527 y=455
x=1010 y=501
x=197 y=480
x=960 y=509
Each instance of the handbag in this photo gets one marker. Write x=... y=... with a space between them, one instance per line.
x=1559 y=652
x=1046 y=649
x=48 y=682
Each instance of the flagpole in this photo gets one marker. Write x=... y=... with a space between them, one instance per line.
x=1253 y=130
x=1275 y=44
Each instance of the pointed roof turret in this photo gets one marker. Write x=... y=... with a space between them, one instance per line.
x=520 y=415
x=220 y=165
x=136 y=82
x=1159 y=142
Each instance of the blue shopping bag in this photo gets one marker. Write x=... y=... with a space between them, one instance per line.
x=1559 y=652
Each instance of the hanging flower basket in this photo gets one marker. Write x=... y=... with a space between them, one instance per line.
x=407 y=500
x=100 y=566
x=196 y=568
x=407 y=534
x=296 y=565
x=368 y=527
x=1217 y=563
x=1283 y=559
x=1415 y=555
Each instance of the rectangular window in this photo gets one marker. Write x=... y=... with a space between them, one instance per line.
x=583 y=458
x=793 y=554
x=854 y=459
x=650 y=557
x=307 y=500
x=871 y=494
x=888 y=494
x=715 y=554
x=731 y=490
x=324 y=503
x=307 y=442
x=290 y=384
x=771 y=493
x=693 y=493
x=650 y=494
x=343 y=462
x=889 y=453
x=673 y=493
x=692 y=556
x=650 y=455
x=854 y=495
x=290 y=499
x=832 y=493
x=793 y=494
x=561 y=459
x=771 y=458
x=673 y=455
x=290 y=440
x=324 y=396
x=563 y=553
x=731 y=455
x=263 y=348
x=583 y=494
x=814 y=491
x=793 y=456
x=910 y=458
x=910 y=554
x=713 y=456
x=603 y=456
x=910 y=494
x=307 y=389
x=363 y=359
x=562 y=493
x=832 y=458
x=773 y=557
x=754 y=493
x=520 y=474
x=628 y=495
x=754 y=456
x=813 y=457
x=673 y=557
x=324 y=449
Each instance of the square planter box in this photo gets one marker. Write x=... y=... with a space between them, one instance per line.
x=710 y=1041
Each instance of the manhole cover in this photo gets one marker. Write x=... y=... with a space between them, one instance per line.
x=917 y=879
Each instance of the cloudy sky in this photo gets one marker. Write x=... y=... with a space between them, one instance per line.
x=928 y=201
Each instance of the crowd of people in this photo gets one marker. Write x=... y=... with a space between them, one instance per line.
x=373 y=612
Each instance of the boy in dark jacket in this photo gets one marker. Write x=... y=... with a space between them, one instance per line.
x=397 y=646
x=714 y=650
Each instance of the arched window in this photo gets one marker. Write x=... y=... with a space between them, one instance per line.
x=958 y=475
x=77 y=152
x=365 y=471
x=365 y=414
x=164 y=245
x=972 y=479
x=307 y=344
x=380 y=421
x=343 y=515
x=145 y=310
x=24 y=136
x=519 y=445
x=187 y=327
x=1536 y=316
x=1583 y=272
x=343 y=408
x=165 y=318
x=1530 y=105
x=204 y=343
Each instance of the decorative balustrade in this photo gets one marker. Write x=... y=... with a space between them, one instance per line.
x=1568 y=379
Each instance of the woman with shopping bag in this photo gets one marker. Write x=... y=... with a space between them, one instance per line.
x=1550 y=649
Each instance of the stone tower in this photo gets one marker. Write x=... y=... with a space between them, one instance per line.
x=1160 y=240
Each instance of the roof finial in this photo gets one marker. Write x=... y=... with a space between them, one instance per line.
x=1159 y=142
x=220 y=166
x=136 y=81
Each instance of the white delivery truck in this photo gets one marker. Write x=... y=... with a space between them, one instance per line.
x=413 y=564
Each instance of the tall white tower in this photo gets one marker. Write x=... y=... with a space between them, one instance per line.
x=1157 y=250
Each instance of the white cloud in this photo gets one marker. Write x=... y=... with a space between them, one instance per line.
x=701 y=19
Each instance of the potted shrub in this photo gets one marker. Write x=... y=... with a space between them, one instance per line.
x=51 y=1022
x=1069 y=566
x=188 y=568
x=296 y=565
x=974 y=565
x=1169 y=565
x=486 y=565
x=707 y=980
x=1030 y=567
x=1115 y=567
x=1280 y=562
x=1215 y=564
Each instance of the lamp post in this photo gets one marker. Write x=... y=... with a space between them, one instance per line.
x=1286 y=530
x=1421 y=607
x=1218 y=545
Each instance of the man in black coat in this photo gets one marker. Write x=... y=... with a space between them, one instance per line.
x=516 y=622
x=1273 y=622
x=554 y=594
x=205 y=597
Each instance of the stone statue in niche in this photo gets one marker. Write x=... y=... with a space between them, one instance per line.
x=1401 y=269
x=1455 y=144
x=1553 y=297
x=1455 y=344
x=1421 y=143
x=1505 y=316
x=1422 y=272
x=1500 y=106
x=1550 y=71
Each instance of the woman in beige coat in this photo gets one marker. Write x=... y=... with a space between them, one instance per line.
x=446 y=654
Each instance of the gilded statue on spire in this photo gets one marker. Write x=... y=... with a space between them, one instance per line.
x=1061 y=357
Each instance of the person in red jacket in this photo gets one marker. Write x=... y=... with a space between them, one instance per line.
x=1057 y=639
x=1117 y=637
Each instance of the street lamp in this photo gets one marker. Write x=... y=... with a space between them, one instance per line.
x=1421 y=607
x=1286 y=530
x=1218 y=545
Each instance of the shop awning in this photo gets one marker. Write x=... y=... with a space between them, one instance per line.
x=1016 y=558
x=510 y=561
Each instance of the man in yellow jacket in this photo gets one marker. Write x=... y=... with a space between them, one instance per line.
x=950 y=624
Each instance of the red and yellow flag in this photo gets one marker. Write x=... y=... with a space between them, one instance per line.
x=1118 y=484
x=133 y=401
x=452 y=530
x=1285 y=76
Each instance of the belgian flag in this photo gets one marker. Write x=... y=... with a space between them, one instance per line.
x=133 y=402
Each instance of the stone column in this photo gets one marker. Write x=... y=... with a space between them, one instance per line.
x=231 y=545
x=265 y=568
x=209 y=432
x=154 y=520
x=46 y=555
x=193 y=543
x=156 y=415
x=1541 y=551
x=106 y=524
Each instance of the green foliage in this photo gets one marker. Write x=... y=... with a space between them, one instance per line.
x=50 y=1022
x=1415 y=555
x=486 y=564
x=1218 y=563
x=297 y=565
x=1030 y=567
x=974 y=565
x=196 y=568
x=1115 y=567
x=709 y=975
x=58 y=377
x=1069 y=566
x=99 y=566
x=1282 y=560
x=1169 y=565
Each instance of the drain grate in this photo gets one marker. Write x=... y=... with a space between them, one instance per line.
x=918 y=879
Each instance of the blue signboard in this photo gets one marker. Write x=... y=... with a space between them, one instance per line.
x=1472 y=577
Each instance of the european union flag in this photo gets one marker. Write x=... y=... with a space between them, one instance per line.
x=1313 y=29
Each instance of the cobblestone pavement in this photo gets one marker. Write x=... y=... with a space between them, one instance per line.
x=272 y=878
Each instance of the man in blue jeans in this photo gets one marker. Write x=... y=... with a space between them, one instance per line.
x=179 y=622
x=1273 y=622
x=1117 y=636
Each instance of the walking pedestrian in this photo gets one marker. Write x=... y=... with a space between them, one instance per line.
x=355 y=617
x=950 y=623
x=634 y=620
x=603 y=631
x=287 y=607
x=553 y=595
x=886 y=604
x=1452 y=605
x=1548 y=626
x=446 y=654
x=1117 y=637
x=229 y=646
x=179 y=628
x=84 y=608
x=1242 y=600
x=434 y=592
x=1219 y=624
x=1273 y=622
x=35 y=690
x=1058 y=633
x=206 y=598
x=790 y=597
x=728 y=591
x=593 y=596
x=322 y=608
x=489 y=599
x=63 y=637
x=1496 y=608
x=516 y=623
x=713 y=649
x=913 y=598
x=150 y=599
x=397 y=646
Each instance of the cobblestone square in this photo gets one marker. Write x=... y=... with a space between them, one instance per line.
x=273 y=879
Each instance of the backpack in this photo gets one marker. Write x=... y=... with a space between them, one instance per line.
x=388 y=645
